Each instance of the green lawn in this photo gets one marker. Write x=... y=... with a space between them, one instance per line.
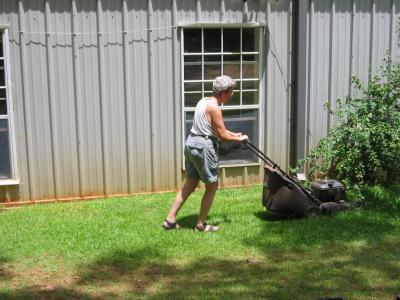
x=116 y=249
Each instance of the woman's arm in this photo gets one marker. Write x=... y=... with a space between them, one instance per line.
x=217 y=123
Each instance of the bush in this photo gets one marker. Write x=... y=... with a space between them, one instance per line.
x=364 y=144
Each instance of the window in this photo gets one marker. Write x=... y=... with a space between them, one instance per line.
x=6 y=163
x=211 y=52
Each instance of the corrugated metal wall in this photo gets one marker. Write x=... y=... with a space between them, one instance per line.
x=338 y=39
x=97 y=95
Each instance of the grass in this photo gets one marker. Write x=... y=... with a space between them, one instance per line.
x=115 y=249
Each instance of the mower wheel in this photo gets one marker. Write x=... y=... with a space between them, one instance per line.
x=312 y=212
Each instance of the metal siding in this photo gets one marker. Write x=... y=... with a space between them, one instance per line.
x=163 y=130
x=361 y=39
x=60 y=80
x=97 y=114
x=88 y=100
x=340 y=57
x=114 y=100
x=343 y=38
x=278 y=72
x=35 y=85
x=139 y=113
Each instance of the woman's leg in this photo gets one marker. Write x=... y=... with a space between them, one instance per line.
x=206 y=202
x=188 y=188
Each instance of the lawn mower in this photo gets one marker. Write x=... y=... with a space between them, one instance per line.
x=286 y=195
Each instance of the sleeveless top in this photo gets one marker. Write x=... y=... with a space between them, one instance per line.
x=201 y=126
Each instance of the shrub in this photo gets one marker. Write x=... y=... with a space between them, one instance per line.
x=364 y=144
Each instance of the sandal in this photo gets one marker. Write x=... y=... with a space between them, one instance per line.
x=167 y=225
x=206 y=228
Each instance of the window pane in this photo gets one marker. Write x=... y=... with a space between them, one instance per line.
x=232 y=66
x=246 y=122
x=208 y=87
x=192 y=40
x=192 y=72
x=191 y=99
x=249 y=41
x=192 y=68
x=250 y=85
x=1 y=45
x=249 y=98
x=3 y=107
x=212 y=40
x=212 y=66
x=193 y=87
x=5 y=165
x=250 y=57
x=212 y=59
x=188 y=123
x=235 y=100
x=192 y=59
x=232 y=40
x=3 y=102
x=250 y=66
x=2 y=73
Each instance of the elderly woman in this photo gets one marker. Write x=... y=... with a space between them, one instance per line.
x=201 y=153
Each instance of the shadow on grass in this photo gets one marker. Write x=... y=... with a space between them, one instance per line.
x=340 y=228
x=270 y=216
x=5 y=274
x=187 y=221
x=370 y=271
x=42 y=294
x=190 y=221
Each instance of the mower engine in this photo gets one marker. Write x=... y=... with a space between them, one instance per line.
x=328 y=190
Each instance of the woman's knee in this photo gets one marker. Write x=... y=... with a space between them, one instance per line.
x=212 y=187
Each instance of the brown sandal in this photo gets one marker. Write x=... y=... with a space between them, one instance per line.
x=167 y=225
x=206 y=228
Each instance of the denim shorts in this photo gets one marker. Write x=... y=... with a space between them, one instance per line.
x=201 y=158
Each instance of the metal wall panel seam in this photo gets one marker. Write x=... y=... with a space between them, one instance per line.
x=309 y=78
x=176 y=98
x=245 y=12
x=263 y=71
x=198 y=11
x=267 y=82
x=332 y=53
x=103 y=112
x=26 y=101
x=352 y=47
x=169 y=56
x=302 y=77
x=151 y=93
x=12 y=133
x=77 y=95
x=392 y=30
x=288 y=88
x=127 y=94
x=222 y=11
x=51 y=98
x=371 y=38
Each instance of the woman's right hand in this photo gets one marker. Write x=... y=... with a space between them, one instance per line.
x=243 y=138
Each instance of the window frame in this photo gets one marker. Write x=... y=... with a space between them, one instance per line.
x=261 y=68
x=14 y=178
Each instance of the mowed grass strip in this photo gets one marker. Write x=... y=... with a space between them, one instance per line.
x=115 y=248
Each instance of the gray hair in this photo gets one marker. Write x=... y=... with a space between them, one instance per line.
x=223 y=83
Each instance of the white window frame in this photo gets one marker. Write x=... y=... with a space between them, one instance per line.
x=259 y=106
x=14 y=178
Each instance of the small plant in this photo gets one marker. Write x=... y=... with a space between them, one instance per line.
x=364 y=144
